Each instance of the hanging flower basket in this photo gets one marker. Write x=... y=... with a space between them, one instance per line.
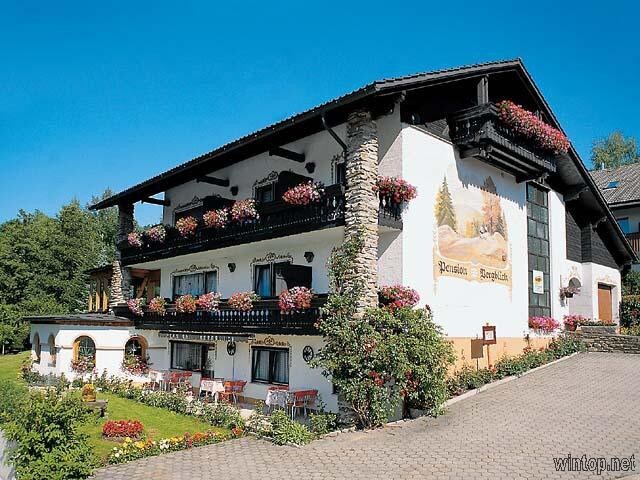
x=156 y=234
x=296 y=298
x=186 y=304
x=544 y=325
x=568 y=292
x=187 y=226
x=157 y=305
x=216 y=218
x=209 y=301
x=135 y=306
x=304 y=194
x=244 y=211
x=242 y=300
x=525 y=123
x=394 y=297
x=395 y=190
x=135 y=239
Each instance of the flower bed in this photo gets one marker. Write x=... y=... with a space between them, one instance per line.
x=544 y=325
x=216 y=218
x=186 y=304
x=187 y=226
x=134 y=239
x=122 y=428
x=395 y=189
x=293 y=299
x=158 y=306
x=135 y=306
x=242 y=300
x=156 y=234
x=527 y=124
x=398 y=296
x=244 y=211
x=304 y=194
x=209 y=301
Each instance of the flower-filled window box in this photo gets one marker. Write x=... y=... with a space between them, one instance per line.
x=187 y=226
x=209 y=301
x=135 y=364
x=135 y=306
x=156 y=234
x=244 y=211
x=543 y=325
x=186 y=304
x=394 y=297
x=296 y=298
x=242 y=301
x=527 y=124
x=304 y=194
x=216 y=218
x=83 y=364
x=158 y=306
x=134 y=239
x=395 y=190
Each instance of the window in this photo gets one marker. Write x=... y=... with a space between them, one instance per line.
x=538 y=249
x=624 y=224
x=270 y=365
x=188 y=356
x=85 y=348
x=134 y=347
x=263 y=282
x=195 y=284
x=265 y=193
x=613 y=184
x=195 y=212
x=268 y=279
x=341 y=173
x=37 y=348
x=52 y=351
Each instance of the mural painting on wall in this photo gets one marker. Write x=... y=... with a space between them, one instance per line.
x=472 y=238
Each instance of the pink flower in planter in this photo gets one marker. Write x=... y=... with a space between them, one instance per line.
x=135 y=239
x=156 y=234
x=396 y=190
x=304 y=194
x=135 y=306
x=186 y=304
x=216 y=218
x=244 y=210
x=296 y=298
x=394 y=297
x=543 y=324
x=571 y=322
x=157 y=305
x=242 y=300
x=187 y=226
x=209 y=301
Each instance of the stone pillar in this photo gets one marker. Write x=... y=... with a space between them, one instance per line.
x=125 y=222
x=362 y=202
x=120 y=278
x=115 y=295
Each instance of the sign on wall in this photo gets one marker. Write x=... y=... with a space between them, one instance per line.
x=538 y=281
x=472 y=238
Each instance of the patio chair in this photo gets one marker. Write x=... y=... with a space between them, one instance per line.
x=302 y=399
x=232 y=389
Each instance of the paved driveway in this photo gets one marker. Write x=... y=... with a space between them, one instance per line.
x=588 y=404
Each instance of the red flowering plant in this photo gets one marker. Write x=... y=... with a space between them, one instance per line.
x=122 y=428
x=304 y=194
x=135 y=364
x=571 y=322
x=135 y=239
x=543 y=325
x=244 y=211
x=242 y=300
x=398 y=296
x=187 y=226
x=395 y=190
x=83 y=364
x=158 y=306
x=156 y=234
x=209 y=301
x=527 y=124
x=135 y=306
x=216 y=218
x=186 y=304
x=296 y=298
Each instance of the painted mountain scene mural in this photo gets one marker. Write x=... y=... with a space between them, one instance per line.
x=472 y=233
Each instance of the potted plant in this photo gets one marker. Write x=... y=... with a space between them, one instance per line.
x=134 y=239
x=157 y=305
x=88 y=393
x=156 y=234
x=296 y=298
x=216 y=218
x=135 y=306
x=568 y=292
x=209 y=302
x=304 y=193
x=242 y=301
x=186 y=304
x=244 y=211
x=543 y=325
x=395 y=190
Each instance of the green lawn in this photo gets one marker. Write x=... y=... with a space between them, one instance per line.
x=158 y=423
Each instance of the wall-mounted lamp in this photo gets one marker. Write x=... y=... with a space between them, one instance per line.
x=234 y=190
x=310 y=167
x=309 y=256
x=232 y=266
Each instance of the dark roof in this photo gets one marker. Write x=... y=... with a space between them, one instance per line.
x=173 y=176
x=627 y=188
x=97 y=319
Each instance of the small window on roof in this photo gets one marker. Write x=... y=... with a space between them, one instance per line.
x=613 y=184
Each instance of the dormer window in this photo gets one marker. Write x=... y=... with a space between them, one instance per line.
x=612 y=184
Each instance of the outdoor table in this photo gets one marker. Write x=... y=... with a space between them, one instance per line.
x=212 y=386
x=277 y=398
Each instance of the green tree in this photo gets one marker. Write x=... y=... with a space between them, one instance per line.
x=614 y=151
x=445 y=213
x=106 y=223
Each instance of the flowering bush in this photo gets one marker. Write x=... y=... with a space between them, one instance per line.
x=244 y=210
x=216 y=218
x=135 y=364
x=186 y=304
x=187 y=226
x=543 y=324
x=242 y=300
x=157 y=305
x=132 y=450
x=398 y=296
x=296 y=298
x=156 y=234
x=395 y=189
x=528 y=125
x=122 y=428
x=571 y=322
x=135 y=239
x=209 y=301
x=83 y=364
x=135 y=306
x=304 y=194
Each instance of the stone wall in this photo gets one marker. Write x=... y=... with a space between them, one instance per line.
x=599 y=340
x=361 y=200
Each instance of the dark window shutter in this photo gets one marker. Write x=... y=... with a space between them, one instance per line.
x=195 y=212
x=296 y=276
x=215 y=202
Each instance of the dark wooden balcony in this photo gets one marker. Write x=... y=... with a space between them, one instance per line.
x=634 y=240
x=277 y=219
x=479 y=132
x=265 y=317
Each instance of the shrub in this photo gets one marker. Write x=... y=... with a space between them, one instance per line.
x=630 y=311
x=11 y=397
x=286 y=431
x=223 y=415
x=45 y=428
x=634 y=330
x=631 y=283
x=122 y=428
x=398 y=296
x=323 y=422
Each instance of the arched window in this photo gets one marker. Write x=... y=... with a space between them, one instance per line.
x=37 y=349
x=135 y=359
x=52 y=350
x=135 y=347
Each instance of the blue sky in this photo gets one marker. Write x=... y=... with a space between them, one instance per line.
x=96 y=95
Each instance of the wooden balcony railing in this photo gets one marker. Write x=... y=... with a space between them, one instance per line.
x=634 y=240
x=479 y=132
x=265 y=317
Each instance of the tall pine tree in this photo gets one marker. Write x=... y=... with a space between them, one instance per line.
x=445 y=213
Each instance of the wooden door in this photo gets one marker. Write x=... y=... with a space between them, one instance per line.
x=605 y=303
